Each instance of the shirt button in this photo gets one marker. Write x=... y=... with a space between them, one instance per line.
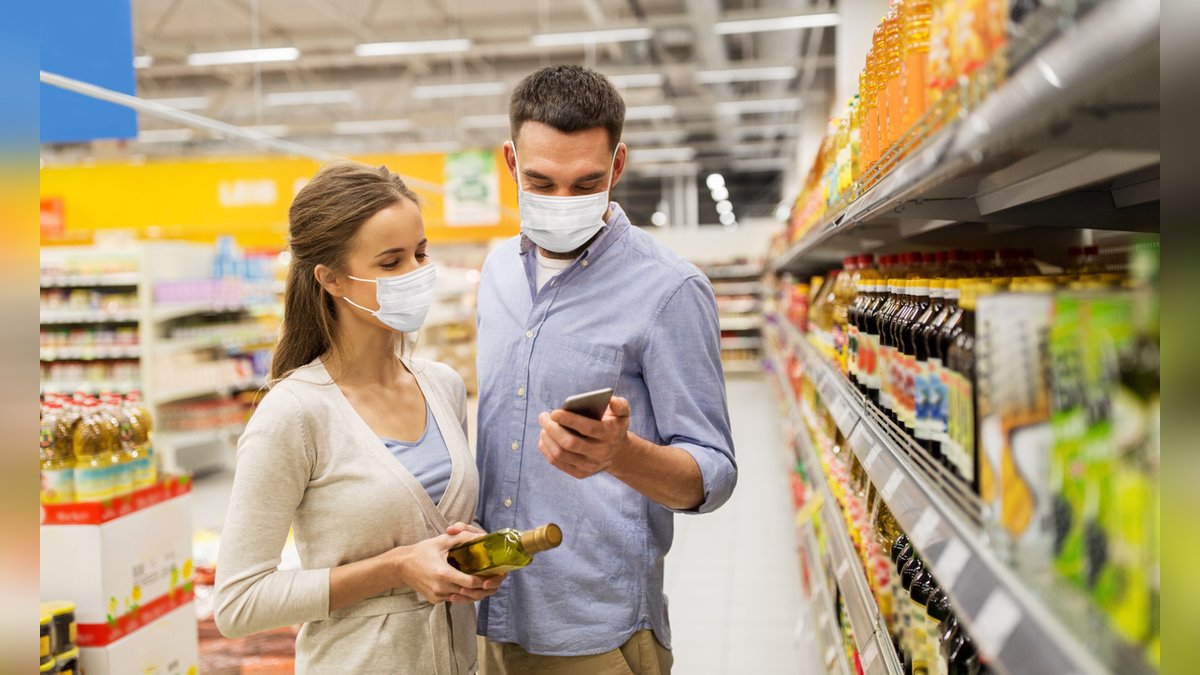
x=515 y=445
x=528 y=333
x=584 y=263
x=521 y=391
x=507 y=503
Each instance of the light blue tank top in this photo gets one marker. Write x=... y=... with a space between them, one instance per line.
x=427 y=459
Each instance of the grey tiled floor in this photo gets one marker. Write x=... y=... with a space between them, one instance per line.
x=732 y=576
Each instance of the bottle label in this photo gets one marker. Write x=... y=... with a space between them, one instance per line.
x=853 y=348
x=938 y=401
x=885 y=377
x=93 y=483
x=122 y=478
x=921 y=401
x=867 y=366
x=58 y=486
x=145 y=473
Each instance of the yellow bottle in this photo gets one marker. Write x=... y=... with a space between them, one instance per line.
x=120 y=456
x=503 y=550
x=915 y=18
x=95 y=442
x=891 y=91
x=57 y=457
x=145 y=464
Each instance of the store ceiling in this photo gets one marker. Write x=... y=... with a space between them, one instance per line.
x=703 y=94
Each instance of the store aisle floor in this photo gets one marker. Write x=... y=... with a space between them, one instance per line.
x=732 y=577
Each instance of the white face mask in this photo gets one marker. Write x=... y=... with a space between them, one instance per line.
x=403 y=300
x=561 y=224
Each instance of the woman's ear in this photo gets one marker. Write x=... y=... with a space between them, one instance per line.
x=329 y=280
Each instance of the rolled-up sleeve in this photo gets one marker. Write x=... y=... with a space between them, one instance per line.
x=274 y=463
x=686 y=383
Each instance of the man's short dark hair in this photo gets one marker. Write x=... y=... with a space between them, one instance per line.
x=570 y=99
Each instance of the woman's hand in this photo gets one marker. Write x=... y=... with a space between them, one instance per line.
x=424 y=568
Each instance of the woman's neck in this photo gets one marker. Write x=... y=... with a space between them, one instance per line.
x=364 y=355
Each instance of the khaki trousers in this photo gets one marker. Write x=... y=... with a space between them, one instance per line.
x=641 y=655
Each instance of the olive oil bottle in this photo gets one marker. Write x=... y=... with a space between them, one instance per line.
x=503 y=550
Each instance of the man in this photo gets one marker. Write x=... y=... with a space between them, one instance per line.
x=582 y=301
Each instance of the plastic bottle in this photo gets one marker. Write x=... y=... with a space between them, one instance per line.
x=57 y=456
x=844 y=294
x=145 y=462
x=876 y=107
x=915 y=20
x=892 y=92
x=120 y=459
x=95 y=441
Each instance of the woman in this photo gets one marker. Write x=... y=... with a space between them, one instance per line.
x=359 y=449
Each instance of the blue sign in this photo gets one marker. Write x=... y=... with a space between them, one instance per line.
x=90 y=41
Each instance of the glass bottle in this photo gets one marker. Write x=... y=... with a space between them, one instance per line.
x=503 y=550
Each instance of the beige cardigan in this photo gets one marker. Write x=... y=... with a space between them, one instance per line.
x=309 y=462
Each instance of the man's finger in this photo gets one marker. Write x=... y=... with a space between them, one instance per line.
x=564 y=460
x=584 y=426
x=618 y=407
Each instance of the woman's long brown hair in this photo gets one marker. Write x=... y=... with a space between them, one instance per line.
x=322 y=223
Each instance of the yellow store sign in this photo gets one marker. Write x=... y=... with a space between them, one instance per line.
x=249 y=198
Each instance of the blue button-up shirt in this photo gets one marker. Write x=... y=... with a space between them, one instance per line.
x=629 y=314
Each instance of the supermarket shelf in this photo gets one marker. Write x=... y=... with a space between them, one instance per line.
x=877 y=654
x=184 y=393
x=821 y=606
x=739 y=306
x=180 y=439
x=68 y=317
x=741 y=322
x=737 y=288
x=741 y=343
x=1069 y=141
x=93 y=353
x=747 y=271
x=91 y=387
x=128 y=280
x=166 y=313
x=177 y=345
x=742 y=366
x=1016 y=624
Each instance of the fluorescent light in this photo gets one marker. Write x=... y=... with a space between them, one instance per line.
x=591 y=36
x=650 y=112
x=372 y=126
x=413 y=47
x=484 y=121
x=727 y=218
x=658 y=219
x=275 y=130
x=776 y=23
x=243 y=56
x=679 y=154
x=312 y=97
x=143 y=61
x=720 y=192
x=766 y=74
x=714 y=181
x=637 y=80
x=765 y=105
x=183 y=102
x=428 y=91
x=165 y=135
x=724 y=206
x=762 y=164
x=428 y=147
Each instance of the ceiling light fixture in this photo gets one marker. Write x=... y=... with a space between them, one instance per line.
x=313 y=97
x=765 y=74
x=372 y=126
x=243 y=56
x=728 y=219
x=720 y=192
x=776 y=23
x=724 y=206
x=457 y=90
x=591 y=36
x=451 y=46
x=714 y=181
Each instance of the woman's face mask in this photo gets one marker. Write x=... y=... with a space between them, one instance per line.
x=404 y=300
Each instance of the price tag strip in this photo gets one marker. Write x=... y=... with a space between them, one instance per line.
x=925 y=528
x=889 y=488
x=952 y=562
x=996 y=621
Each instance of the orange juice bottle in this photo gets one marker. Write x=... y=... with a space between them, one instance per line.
x=915 y=17
x=890 y=90
x=871 y=104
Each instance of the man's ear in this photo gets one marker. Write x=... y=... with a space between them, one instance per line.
x=510 y=159
x=619 y=164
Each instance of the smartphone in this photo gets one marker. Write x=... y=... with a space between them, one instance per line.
x=592 y=404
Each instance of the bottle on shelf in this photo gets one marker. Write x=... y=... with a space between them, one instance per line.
x=57 y=456
x=923 y=395
x=94 y=443
x=915 y=20
x=120 y=458
x=145 y=462
x=844 y=294
x=503 y=550
x=893 y=98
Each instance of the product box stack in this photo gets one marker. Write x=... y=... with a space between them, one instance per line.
x=127 y=569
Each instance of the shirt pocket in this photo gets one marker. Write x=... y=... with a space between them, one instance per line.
x=575 y=366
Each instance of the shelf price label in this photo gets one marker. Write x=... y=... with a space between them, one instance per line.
x=952 y=562
x=997 y=620
x=925 y=527
x=869 y=654
x=843 y=570
x=889 y=488
x=869 y=461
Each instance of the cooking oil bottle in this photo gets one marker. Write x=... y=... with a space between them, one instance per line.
x=893 y=60
x=145 y=463
x=57 y=457
x=915 y=17
x=95 y=442
x=503 y=550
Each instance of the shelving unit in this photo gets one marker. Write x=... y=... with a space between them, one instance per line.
x=153 y=263
x=1022 y=627
x=840 y=560
x=1070 y=141
x=739 y=291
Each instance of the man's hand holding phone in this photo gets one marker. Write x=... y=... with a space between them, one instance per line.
x=578 y=444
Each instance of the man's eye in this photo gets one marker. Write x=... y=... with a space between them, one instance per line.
x=587 y=188
x=546 y=186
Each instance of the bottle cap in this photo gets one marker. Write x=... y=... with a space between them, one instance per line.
x=543 y=538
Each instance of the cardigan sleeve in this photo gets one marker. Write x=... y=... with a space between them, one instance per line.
x=275 y=459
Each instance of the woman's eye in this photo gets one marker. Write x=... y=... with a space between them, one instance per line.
x=422 y=256
x=390 y=265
